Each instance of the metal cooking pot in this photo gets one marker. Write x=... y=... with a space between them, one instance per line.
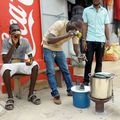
x=101 y=85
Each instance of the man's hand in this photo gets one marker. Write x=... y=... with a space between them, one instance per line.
x=107 y=44
x=71 y=33
x=29 y=62
x=15 y=39
x=15 y=42
x=82 y=57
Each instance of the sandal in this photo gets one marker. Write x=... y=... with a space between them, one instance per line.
x=33 y=98
x=9 y=104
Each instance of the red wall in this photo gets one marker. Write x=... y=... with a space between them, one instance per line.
x=27 y=15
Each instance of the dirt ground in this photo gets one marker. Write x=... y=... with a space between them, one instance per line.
x=47 y=110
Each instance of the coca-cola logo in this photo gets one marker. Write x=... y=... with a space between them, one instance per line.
x=24 y=19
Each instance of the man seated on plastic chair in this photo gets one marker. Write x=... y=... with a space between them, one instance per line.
x=14 y=49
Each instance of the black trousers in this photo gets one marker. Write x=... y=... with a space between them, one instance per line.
x=97 y=49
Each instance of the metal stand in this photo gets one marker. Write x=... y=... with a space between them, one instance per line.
x=99 y=104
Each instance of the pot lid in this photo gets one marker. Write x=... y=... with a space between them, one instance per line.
x=103 y=75
x=76 y=89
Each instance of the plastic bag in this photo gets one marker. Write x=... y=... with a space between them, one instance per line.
x=75 y=62
x=110 y=55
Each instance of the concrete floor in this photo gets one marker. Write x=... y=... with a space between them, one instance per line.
x=47 y=110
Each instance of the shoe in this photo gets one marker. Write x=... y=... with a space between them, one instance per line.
x=33 y=98
x=70 y=93
x=86 y=83
x=9 y=104
x=57 y=100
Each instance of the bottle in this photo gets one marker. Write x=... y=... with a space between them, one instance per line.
x=78 y=85
x=82 y=87
x=78 y=34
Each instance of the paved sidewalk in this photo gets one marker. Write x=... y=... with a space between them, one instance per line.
x=47 y=110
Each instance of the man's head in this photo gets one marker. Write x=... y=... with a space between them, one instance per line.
x=74 y=24
x=14 y=31
x=96 y=2
x=14 y=28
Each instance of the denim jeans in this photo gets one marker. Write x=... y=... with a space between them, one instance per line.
x=58 y=57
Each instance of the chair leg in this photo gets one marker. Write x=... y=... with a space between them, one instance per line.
x=17 y=88
x=58 y=76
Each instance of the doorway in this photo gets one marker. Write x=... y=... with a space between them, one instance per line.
x=82 y=3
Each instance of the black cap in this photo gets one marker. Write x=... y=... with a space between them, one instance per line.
x=13 y=28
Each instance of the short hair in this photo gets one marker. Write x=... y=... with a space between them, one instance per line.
x=73 y=23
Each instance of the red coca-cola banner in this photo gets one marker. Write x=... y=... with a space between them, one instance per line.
x=27 y=14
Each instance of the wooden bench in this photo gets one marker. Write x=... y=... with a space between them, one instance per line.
x=18 y=88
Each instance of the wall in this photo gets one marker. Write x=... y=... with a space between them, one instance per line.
x=51 y=11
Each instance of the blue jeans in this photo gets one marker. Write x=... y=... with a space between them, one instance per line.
x=58 y=57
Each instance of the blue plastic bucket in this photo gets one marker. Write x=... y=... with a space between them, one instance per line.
x=81 y=98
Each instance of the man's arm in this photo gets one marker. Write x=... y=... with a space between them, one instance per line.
x=84 y=34
x=78 y=53
x=30 y=59
x=107 y=34
x=52 y=39
x=6 y=57
x=77 y=49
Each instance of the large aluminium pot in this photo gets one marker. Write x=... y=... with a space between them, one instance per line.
x=101 y=85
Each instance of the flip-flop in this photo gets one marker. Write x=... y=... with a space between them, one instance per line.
x=9 y=104
x=33 y=98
